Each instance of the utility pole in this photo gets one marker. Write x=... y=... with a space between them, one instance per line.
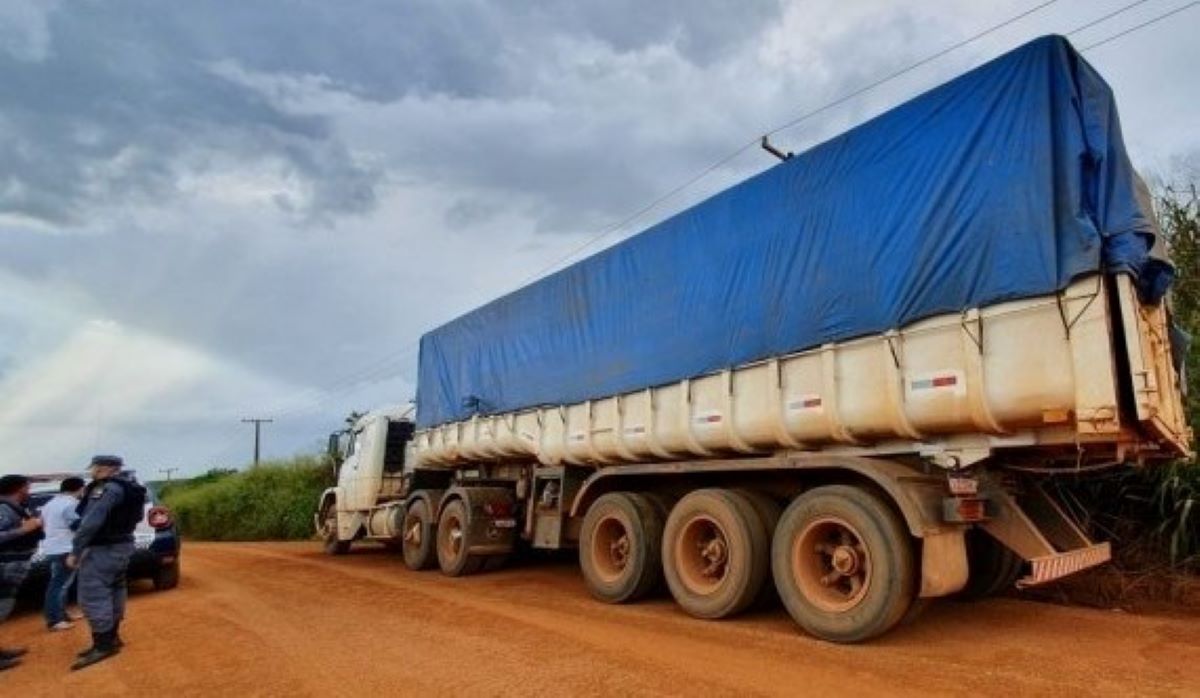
x=168 y=471
x=257 y=422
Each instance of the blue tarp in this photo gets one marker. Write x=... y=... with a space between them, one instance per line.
x=1007 y=182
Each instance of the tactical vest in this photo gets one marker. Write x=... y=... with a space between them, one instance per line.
x=21 y=548
x=124 y=517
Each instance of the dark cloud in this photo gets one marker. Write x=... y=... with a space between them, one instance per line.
x=123 y=101
x=293 y=191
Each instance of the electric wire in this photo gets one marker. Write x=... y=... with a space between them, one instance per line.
x=383 y=367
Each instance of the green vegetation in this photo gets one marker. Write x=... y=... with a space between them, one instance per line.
x=274 y=501
x=1179 y=217
x=1177 y=489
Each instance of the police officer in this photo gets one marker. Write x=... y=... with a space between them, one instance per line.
x=20 y=532
x=109 y=511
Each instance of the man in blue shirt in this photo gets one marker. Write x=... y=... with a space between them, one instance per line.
x=58 y=520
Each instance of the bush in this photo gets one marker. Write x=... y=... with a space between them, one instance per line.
x=274 y=501
x=1150 y=514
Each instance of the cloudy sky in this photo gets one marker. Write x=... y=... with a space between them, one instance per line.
x=217 y=210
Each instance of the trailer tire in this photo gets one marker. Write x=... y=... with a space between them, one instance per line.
x=329 y=532
x=844 y=564
x=453 y=544
x=716 y=553
x=620 y=547
x=992 y=568
x=768 y=511
x=417 y=542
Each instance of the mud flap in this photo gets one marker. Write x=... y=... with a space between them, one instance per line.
x=943 y=563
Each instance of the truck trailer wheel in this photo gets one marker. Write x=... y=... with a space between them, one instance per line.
x=768 y=511
x=329 y=533
x=620 y=547
x=715 y=553
x=992 y=568
x=843 y=564
x=416 y=543
x=453 y=530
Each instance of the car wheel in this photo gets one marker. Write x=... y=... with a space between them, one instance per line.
x=167 y=577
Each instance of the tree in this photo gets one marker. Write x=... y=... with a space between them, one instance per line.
x=1179 y=217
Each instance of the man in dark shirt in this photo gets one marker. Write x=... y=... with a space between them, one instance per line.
x=20 y=532
x=110 y=509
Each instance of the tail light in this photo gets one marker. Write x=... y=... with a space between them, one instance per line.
x=498 y=509
x=159 y=517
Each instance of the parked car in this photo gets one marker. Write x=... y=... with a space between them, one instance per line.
x=156 y=542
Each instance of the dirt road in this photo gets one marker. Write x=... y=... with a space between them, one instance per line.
x=281 y=619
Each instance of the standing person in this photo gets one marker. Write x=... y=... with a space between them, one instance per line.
x=20 y=532
x=58 y=519
x=111 y=508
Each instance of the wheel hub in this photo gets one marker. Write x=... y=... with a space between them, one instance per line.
x=844 y=560
x=715 y=552
x=618 y=552
x=702 y=555
x=612 y=548
x=412 y=534
x=831 y=564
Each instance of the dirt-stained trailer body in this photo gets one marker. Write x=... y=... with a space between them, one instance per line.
x=766 y=392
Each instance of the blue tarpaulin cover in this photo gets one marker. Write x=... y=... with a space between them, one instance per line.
x=1007 y=182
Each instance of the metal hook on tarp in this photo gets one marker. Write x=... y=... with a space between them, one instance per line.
x=766 y=145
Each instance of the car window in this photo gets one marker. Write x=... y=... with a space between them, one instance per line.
x=38 y=500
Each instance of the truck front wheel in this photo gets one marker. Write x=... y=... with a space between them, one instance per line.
x=417 y=536
x=619 y=547
x=715 y=553
x=843 y=564
x=329 y=533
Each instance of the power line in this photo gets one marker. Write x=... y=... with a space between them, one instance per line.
x=909 y=68
x=1105 y=18
x=382 y=367
x=1143 y=25
x=721 y=162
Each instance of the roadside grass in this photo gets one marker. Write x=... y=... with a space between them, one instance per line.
x=274 y=501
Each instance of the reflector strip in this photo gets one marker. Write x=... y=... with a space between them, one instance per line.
x=935 y=382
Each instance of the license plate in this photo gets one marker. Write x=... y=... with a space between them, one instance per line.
x=505 y=523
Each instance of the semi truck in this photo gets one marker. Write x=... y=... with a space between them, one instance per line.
x=850 y=382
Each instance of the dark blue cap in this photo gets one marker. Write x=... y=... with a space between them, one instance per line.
x=108 y=461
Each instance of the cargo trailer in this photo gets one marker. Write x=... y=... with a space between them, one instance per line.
x=849 y=381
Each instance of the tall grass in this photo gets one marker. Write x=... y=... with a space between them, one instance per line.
x=274 y=501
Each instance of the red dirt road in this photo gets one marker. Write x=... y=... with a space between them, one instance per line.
x=281 y=619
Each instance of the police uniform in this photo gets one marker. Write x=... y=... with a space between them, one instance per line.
x=16 y=548
x=109 y=511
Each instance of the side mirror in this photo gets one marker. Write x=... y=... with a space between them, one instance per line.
x=334 y=450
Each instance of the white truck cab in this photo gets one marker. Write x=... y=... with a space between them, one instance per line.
x=366 y=501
